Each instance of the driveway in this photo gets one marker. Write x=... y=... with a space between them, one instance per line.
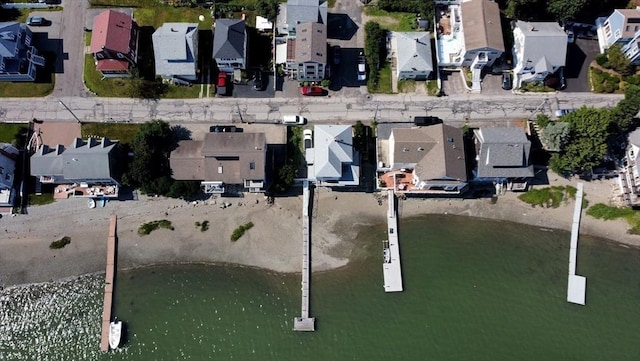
x=492 y=84
x=452 y=83
x=579 y=55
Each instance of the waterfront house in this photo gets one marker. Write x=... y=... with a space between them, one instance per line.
x=412 y=51
x=175 y=48
x=230 y=45
x=311 y=52
x=333 y=162
x=621 y=28
x=296 y=12
x=114 y=43
x=223 y=162
x=539 y=50
x=629 y=174
x=87 y=168
x=8 y=157
x=502 y=155
x=424 y=160
x=19 y=59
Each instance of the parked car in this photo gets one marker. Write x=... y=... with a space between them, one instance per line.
x=506 y=81
x=337 y=54
x=312 y=90
x=562 y=112
x=36 y=21
x=362 y=67
x=428 y=120
x=294 y=120
x=307 y=136
x=222 y=83
x=571 y=37
x=224 y=129
x=258 y=84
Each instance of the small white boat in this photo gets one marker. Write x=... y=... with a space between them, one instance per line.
x=115 y=332
x=91 y=203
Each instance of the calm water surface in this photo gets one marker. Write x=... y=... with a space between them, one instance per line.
x=474 y=290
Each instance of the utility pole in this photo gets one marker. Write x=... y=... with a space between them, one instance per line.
x=67 y=108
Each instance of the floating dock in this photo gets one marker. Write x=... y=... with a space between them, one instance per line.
x=108 y=284
x=392 y=270
x=577 y=285
x=304 y=322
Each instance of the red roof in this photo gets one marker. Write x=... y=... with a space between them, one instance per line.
x=111 y=30
x=112 y=64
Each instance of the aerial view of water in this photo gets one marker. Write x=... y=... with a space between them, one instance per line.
x=474 y=290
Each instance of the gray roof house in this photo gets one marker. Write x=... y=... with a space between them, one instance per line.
x=539 y=49
x=222 y=160
x=503 y=154
x=84 y=164
x=311 y=52
x=175 y=48
x=629 y=172
x=296 y=12
x=335 y=162
x=413 y=52
x=8 y=157
x=230 y=45
x=18 y=57
x=428 y=159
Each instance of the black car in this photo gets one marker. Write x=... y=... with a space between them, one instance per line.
x=224 y=129
x=506 y=81
x=258 y=83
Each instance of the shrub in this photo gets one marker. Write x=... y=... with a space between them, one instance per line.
x=549 y=197
x=542 y=120
x=60 y=243
x=603 y=211
x=149 y=227
x=601 y=59
x=204 y=226
x=239 y=231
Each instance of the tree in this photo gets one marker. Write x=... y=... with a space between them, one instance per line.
x=555 y=136
x=586 y=144
x=623 y=115
x=564 y=10
x=151 y=147
x=268 y=8
x=618 y=61
x=373 y=49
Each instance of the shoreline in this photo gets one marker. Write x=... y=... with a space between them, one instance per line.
x=272 y=244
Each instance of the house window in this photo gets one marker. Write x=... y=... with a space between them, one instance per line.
x=100 y=56
x=252 y=165
x=120 y=55
x=626 y=28
x=607 y=29
x=617 y=33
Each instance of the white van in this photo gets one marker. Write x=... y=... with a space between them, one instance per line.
x=294 y=119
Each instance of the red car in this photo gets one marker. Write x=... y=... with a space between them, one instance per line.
x=312 y=90
x=222 y=83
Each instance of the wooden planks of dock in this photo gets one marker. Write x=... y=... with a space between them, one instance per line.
x=304 y=322
x=108 y=284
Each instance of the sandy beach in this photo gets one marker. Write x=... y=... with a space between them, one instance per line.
x=273 y=243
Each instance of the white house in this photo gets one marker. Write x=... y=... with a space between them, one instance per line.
x=336 y=162
x=539 y=50
x=175 y=48
x=413 y=54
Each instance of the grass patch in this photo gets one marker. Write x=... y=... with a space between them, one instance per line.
x=8 y=131
x=394 y=21
x=40 y=200
x=123 y=132
x=384 y=82
x=239 y=231
x=113 y=87
x=123 y=3
x=149 y=227
x=549 y=197
x=603 y=211
x=60 y=243
x=204 y=226
x=183 y=92
x=158 y=14
x=535 y=87
x=406 y=86
x=432 y=87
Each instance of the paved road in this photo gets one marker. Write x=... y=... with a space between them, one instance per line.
x=455 y=110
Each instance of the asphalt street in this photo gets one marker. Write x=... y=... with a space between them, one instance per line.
x=455 y=110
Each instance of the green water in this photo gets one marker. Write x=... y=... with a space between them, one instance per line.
x=474 y=290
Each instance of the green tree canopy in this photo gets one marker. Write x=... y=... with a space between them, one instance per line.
x=555 y=136
x=586 y=144
x=268 y=9
x=564 y=10
x=150 y=164
x=623 y=116
x=618 y=61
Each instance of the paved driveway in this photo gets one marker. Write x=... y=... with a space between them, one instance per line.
x=579 y=55
x=452 y=83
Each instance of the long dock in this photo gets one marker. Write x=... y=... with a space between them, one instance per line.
x=304 y=322
x=108 y=284
x=577 y=285
x=392 y=270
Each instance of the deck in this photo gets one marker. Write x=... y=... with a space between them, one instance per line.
x=304 y=322
x=108 y=284
x=577 y=285
x=392 y=270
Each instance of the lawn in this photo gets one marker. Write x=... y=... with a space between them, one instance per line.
x=392 y=21
x=384 y=83
x=8 y=131
x=114 y=87
x=159 y=14
x=123 y=132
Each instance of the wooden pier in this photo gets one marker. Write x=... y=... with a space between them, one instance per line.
x=577 y=285
x=108 y=284
x=392 y=270
x=304 y=322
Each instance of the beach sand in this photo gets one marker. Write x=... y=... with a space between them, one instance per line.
x=273 y=243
